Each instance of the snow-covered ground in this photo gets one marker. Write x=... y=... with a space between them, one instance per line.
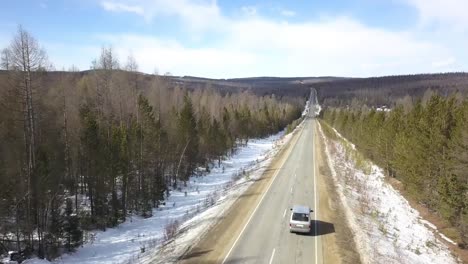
x=387 y=229
x=192 y=209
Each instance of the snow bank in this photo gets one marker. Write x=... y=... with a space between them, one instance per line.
x=387 y=229
x=306 y=109
x=316 y=109
x=36 y=261
x=195 y=207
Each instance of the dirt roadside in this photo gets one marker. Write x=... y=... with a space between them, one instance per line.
x=217 y=241
x=337 y=246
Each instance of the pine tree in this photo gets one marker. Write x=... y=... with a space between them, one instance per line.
x=393 y=125
x=73 y=233
x=149 y=133
x=219 y=143
x=205 y=141
x=188 y=140
x=454 y=187
x=94 y=160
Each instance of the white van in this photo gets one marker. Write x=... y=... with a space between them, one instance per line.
x=300 y=219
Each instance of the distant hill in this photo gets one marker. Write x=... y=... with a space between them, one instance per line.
x=384 y=90
x=292 y=86
x=388 y=89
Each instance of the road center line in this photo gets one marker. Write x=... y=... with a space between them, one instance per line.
x=284 y=214
x=251 y=216
x=272 y=255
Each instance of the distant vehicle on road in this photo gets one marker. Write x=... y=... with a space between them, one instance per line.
x=300 y=219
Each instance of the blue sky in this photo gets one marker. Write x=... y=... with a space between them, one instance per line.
x=223 y=39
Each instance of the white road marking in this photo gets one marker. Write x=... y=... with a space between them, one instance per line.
x=284 y=214
x=291 y=189
x=250 y=218
x=315 y=200
x=272 y=255
x=258 y=205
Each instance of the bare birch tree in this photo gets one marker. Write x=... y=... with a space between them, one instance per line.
x=25 y=57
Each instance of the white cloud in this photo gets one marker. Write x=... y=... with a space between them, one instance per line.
x=62 y=58
x=119 y=7
x=197 y=15
x=171 y=56
x=249 y=10
x=287 y=13
x=338 y=46
x=451 y=13
x=444 y=63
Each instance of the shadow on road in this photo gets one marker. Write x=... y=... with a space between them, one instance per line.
x=260 y=179
x=240 y=260
x=195 y=254
x=272 y=169
x=249 y=195
x=232 y=260
x=323 y=228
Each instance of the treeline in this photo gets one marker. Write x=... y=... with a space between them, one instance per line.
x=85 y=151
x=424 y=145
x=388 y=90
x=260 y=86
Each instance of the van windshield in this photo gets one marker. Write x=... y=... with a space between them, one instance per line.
x=300 y=217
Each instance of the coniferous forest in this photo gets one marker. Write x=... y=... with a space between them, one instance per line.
x=111 y=136
x=423 y=144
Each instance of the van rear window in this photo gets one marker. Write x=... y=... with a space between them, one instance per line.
x=300 y=217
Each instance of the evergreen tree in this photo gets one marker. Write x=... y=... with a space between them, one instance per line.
x=73 y=233
x=148 y=171
x=188 y=140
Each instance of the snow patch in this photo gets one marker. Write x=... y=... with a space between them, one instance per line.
x=35 y=261
x=306 y=109
x=429 y=224
x=387 y=229
x=447 y=239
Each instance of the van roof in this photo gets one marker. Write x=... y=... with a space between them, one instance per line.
x=302 y=209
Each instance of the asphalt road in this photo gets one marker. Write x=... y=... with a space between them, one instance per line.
x=266 y=237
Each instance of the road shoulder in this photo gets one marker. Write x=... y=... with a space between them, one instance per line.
x=338 y=244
